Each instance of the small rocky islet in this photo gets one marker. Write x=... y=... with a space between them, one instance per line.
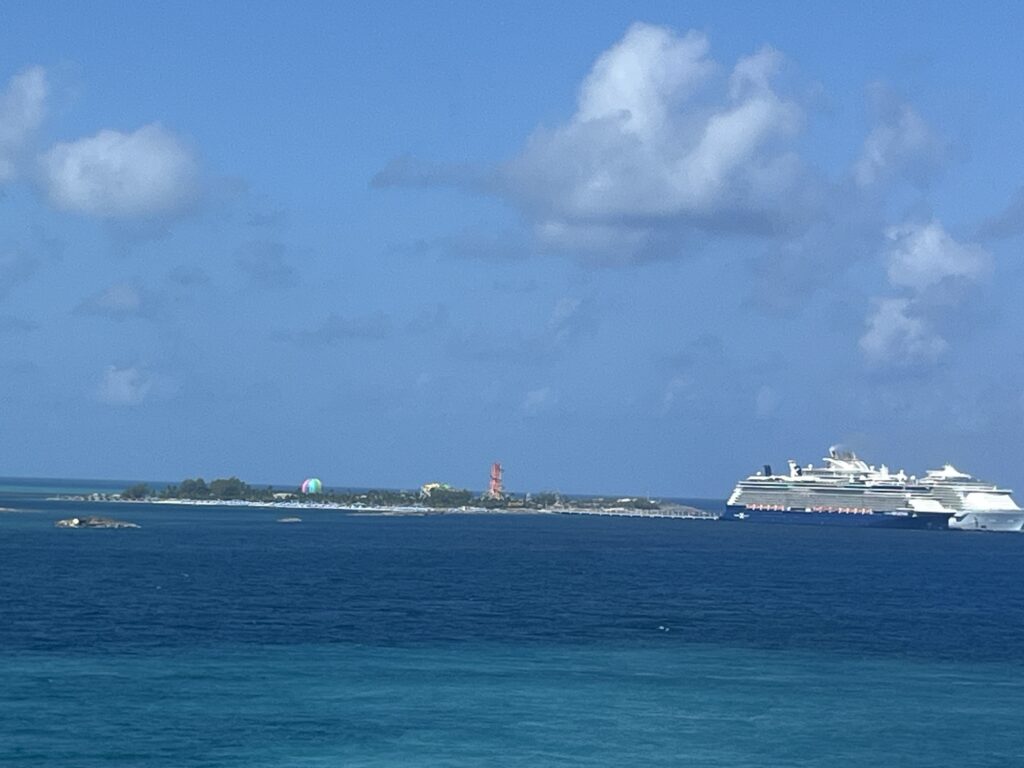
x=94 y=521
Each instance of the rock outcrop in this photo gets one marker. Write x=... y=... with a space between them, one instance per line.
x=92 y=521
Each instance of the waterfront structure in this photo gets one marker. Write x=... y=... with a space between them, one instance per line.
x=495 y=488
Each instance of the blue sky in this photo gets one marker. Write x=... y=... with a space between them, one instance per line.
x=636 y=248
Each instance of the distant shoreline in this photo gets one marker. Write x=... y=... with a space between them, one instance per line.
x=674 y=511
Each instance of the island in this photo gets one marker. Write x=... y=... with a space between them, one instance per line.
x=430 y=498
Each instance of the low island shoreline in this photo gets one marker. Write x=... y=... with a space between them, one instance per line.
x=670 y=511
x=431 y=499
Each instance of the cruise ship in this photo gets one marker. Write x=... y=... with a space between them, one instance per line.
x=846 y=490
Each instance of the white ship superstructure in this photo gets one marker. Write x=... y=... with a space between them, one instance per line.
x=976 y=505
x=847 y=490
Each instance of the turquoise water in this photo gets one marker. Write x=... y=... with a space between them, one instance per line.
x=220 y=638
x=322 y=705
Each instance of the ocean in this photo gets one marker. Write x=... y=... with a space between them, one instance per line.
x=216 y=636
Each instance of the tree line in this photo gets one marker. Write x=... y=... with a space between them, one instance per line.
x=234 y=489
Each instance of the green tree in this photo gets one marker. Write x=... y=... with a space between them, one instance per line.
x=193 y=489
x=449 y=497
x=137 y=491
x=228 y=488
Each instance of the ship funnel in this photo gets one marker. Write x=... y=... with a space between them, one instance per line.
x=767 y=470
x=794 y=470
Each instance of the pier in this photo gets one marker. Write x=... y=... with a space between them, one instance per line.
x=677 y=512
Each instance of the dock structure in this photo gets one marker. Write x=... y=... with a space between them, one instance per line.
x=677 y=512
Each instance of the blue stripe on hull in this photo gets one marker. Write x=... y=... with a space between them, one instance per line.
x=874 y=520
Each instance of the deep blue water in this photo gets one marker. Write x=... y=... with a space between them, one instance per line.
x=218 y=637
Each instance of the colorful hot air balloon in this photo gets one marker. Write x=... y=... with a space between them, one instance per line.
x=312 y=485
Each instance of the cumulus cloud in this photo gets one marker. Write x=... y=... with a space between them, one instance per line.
x=145 y=174
x=641 y=149
x=120 y=301
x=22 y=109
x=900 y=144
x=124 y=386
x=638 y=77
x=656 y=142
x=132 y=385
x=896 y=336
x=666 y=146
x=932 y=270
x=924 y=255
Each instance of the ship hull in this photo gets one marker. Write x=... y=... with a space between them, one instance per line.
x=988 y=521
x=925 y=521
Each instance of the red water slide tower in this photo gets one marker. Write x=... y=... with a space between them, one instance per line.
x=495 y=489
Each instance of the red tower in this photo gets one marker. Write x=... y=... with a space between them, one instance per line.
x=495 y=489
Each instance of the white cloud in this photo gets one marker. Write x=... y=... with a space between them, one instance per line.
x=659 y=143
x=900 y=144
x=22 y=108
x=639 y=78
x=924 y=255
x=124 y=386
x=896 y=336
x=931 y=269
x=122 y=175
x=643 y=151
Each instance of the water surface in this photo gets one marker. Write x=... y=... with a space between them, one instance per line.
x=218 y=637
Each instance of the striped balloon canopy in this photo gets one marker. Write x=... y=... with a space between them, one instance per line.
x=312 y=485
